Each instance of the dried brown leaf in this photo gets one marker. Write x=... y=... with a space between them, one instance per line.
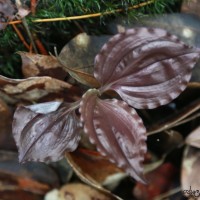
x=41 y=65
x=35 y=88
x=78 y=55
x=93 y=168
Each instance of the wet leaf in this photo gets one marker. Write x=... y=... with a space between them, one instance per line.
x=41 y=65
x=138 y=65
x=43 y=132
x=190 y=169
x=7 y=11
x=117 y=131
x=193 y=138
x=78 y=55
x=185 y=26
x=34 y=89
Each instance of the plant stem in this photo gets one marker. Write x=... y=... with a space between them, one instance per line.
x=29 y=34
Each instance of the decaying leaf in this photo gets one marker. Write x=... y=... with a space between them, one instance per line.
x=78 y=55
x=117 y=131
x=43 y=132
x=94 y=169
x=7 y=12
x=41 y=65
x=139 y=66
x=190 y=178
x=34 y=89
x=83 y=77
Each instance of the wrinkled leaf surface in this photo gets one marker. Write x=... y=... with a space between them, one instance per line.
x=147 y=67
x=44 y=131
x=117 y=131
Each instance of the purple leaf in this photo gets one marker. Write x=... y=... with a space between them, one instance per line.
x=117 y=131
x=43 y=132
x=147 y=67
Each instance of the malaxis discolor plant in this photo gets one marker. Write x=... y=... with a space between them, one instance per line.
x=147 y=67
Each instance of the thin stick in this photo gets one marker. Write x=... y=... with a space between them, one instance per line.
x=40 y=46
x=33 y=6
x=88 y=15
x=29 y=34
x=21 y=36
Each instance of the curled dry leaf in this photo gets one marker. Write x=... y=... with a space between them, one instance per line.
x=7 y=12
x=78 y=56
x=94 y=169
x=117 y=131
x=41 y=65
x=139 y=66
x=34 y=89
x=43 y=132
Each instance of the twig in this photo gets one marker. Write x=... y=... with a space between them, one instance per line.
x=39 y=45
x=29 y=34
x=21 y=36
x=88 y=15
x=33 y=6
